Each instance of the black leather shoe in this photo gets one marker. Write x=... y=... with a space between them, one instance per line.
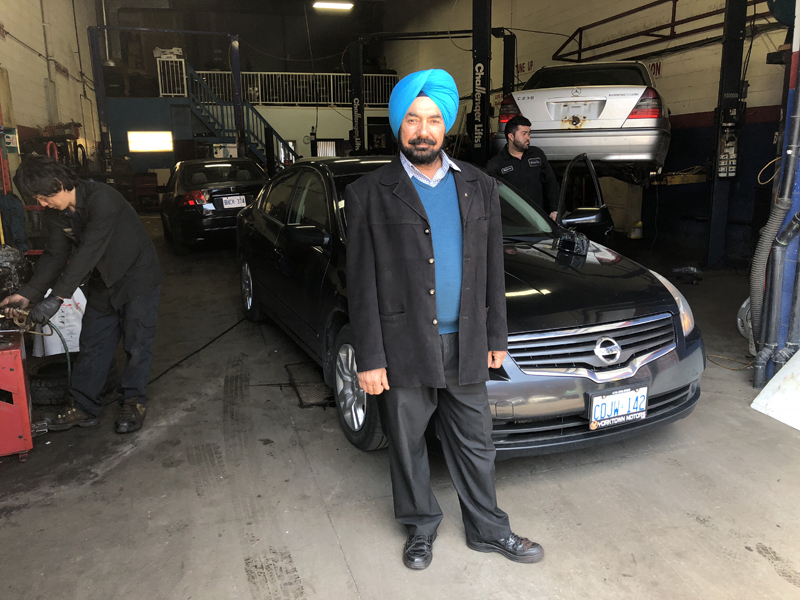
x=71 y=417
x=514 y=547
x=418 y=551
x=131 y=416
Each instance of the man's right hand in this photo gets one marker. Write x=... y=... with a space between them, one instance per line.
x=373 y=382
x=12 y=303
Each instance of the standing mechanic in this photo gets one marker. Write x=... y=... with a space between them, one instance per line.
x=426 y=292
x=526 y=167
x=94 y=236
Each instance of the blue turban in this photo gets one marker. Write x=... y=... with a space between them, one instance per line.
x=437 y=84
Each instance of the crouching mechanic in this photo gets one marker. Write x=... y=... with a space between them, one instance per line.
x=94 y=237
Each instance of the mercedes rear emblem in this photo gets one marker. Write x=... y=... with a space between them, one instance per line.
x=576 y=91
x=607 y=350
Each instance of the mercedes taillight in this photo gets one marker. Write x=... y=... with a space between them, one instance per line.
x=508 y=109
x=648 y=106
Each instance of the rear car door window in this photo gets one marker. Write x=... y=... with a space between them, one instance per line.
x=201 y=174
x=276 y=201
x=310 y=204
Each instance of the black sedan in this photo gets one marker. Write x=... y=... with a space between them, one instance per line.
x=600 y=348
x=203 y=196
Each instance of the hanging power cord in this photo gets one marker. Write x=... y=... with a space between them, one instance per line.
x=450 y=35
x=746 y=365
x=766 y=166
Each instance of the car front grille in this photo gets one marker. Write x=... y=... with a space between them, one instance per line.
x=571 y=350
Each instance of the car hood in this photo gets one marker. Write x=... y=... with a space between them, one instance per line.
x=547 y=289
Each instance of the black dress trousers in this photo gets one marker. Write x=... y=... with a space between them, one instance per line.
x=464 y=426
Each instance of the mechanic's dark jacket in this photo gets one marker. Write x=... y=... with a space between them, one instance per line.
x=104 y=233
x=532 y=175
x=391 y=272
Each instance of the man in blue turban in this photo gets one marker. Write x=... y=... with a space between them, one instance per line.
x=426 y=296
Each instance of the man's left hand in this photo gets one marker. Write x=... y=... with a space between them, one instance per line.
x=45 y=310
x=496 y=359
x=554 y=215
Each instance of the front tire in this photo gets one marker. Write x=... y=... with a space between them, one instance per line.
x=252 y=310
x=358 y=411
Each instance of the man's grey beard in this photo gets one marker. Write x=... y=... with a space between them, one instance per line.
x=417 y=158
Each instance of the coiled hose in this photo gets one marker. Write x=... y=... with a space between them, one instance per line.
x=780 y=209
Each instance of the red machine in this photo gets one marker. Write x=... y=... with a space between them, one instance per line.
x=15 y=400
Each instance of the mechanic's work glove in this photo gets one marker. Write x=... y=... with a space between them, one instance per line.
x=45 y=310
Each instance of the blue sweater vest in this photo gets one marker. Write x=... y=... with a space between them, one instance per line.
x=444 y=216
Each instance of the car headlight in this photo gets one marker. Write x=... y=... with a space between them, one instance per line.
x=687 y=318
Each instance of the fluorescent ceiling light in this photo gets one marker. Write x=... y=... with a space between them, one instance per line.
x=150 y=141
x=334 y=5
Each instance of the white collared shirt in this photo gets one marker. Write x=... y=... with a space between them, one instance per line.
x=414 y=172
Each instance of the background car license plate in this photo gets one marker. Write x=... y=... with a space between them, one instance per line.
x=233 y=202
x=618 y=407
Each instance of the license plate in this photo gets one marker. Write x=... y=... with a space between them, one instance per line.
x=618 y=407
x=234 y=202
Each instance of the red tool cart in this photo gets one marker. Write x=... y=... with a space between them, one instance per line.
x=15 y=400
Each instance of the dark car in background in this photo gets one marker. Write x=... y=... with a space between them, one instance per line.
x=203 y=197
x=600 y=348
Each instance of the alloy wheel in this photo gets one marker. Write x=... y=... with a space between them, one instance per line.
x=352 y=400
x=247 y=286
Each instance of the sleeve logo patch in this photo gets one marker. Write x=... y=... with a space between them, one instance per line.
x=535 y=162
x=507 y=169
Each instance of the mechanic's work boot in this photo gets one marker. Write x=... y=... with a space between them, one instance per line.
x=71 y=417
x=418 y=551
x=131 y=416
x=514 y=547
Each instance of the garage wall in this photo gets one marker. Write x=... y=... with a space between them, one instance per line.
x=689 y=80
x=39 y=101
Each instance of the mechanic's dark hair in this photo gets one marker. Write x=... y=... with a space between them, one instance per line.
x=40 y=175
x=515 y=123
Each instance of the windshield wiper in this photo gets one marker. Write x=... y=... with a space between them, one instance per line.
x=527 y=239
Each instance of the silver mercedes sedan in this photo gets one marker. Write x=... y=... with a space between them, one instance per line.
x=611 y=111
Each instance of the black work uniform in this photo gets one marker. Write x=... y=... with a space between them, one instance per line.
x=532 y=175
x=103 y=245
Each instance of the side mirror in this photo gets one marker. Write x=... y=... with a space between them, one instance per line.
x=583 y=216
x=306 y=235
x=162 y=189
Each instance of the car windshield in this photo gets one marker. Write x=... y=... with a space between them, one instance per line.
x=200 y=174
x=583 y=75
x=519 y=217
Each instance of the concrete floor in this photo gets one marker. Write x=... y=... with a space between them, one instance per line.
x=234 y=491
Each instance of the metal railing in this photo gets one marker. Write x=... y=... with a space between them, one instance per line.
x=218 y=114
x=171 y=77
x=304 y=89
x=612 y=39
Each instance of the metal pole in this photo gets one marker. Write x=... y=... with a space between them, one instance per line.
x=481 y=57
x=357 y=95
x=238 y=109
x=509 y=62
x=100 y=91
x=729 y=119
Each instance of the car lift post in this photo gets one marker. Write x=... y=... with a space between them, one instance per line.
x=728 y=121
x=481 y=79
x=357 y=94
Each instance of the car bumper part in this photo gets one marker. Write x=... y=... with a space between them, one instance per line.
x=602 y=145
x=539 y=414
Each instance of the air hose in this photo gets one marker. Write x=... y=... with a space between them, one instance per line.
x=780 y=208
x=66 y=353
